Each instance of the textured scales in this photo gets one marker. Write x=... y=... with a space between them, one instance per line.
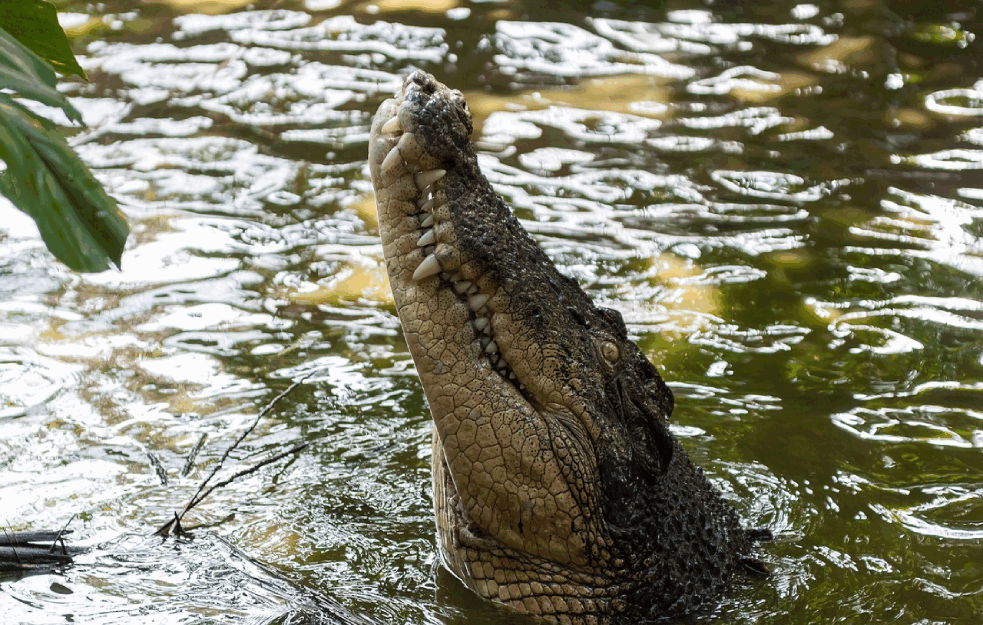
x=559 y=490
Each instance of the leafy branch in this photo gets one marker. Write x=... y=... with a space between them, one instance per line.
x=79 y=222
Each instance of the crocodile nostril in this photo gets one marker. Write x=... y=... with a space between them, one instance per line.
x=425 y=82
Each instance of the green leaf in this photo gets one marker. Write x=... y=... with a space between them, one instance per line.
x=78 y=221
x=34 y=23
x=30 y=77
x=16 y=56
x=25 y=87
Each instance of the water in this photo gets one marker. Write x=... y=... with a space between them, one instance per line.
x=783 y=200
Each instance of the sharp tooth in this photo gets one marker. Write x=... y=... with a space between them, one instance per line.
x=407 y=145
x=491 y=348
x=429 y=267
x=461 y=286
x=427 y=222
x=478 y=301
x=426 y=178
x=484 y=340
x=425 y=203
x=481 y=323
x=428 y=238
x=391 y=126
x=392 y=159
x=511 y=375
x=473 y=289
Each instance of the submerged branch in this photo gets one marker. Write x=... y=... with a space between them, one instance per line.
x=204 y=489
x=39 y=550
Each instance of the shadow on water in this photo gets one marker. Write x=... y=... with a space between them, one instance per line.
x=783 y=200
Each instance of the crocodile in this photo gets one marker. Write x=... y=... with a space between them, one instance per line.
x=559 y=489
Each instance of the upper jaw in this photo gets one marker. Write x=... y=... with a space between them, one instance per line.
x=422 y=164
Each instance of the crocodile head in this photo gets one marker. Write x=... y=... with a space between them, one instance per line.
x=558 y=487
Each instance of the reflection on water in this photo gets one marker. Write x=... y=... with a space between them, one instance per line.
x=782 y=199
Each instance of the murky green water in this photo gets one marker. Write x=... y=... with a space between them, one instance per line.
x=784 y=200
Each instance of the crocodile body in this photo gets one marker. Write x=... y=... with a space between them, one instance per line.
x=559 y=489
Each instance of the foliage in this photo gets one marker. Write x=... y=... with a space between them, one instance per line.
x=78 y=221
x=34 y=23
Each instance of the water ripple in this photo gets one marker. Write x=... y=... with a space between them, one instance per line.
x=730 y=338
x=344 y=34
x=194 y=25
x=957 y=102
x=927 y=226
x=557 y=49
x=218 y=582
x=29 y=380
x=773 y=185
x=933 y=425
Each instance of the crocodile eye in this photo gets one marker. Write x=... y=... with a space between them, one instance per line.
x=610 y=351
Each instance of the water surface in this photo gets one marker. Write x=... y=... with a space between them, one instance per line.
x=783 y=200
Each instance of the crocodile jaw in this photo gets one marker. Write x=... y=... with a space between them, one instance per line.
x=501 y=483
x=495 y=443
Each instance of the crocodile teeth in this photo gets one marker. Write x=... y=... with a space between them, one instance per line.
x=473 y=289
x=491 y=348
x=425 y=205
x=392 y=159
x=461 y=285
x=391 y=126
x=429 y=267
x=478 y=301
x=427 y=222
x=407 y=142
x=481 y=323
x=428 y=238
x=426 y=178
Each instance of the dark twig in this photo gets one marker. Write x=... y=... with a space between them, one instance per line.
x=64 y=530
x=262 y=413
x=203 y=490
x=200 y=496
x=190 y=463
x=158 y=467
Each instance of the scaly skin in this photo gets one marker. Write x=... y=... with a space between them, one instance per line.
x=559 y=490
